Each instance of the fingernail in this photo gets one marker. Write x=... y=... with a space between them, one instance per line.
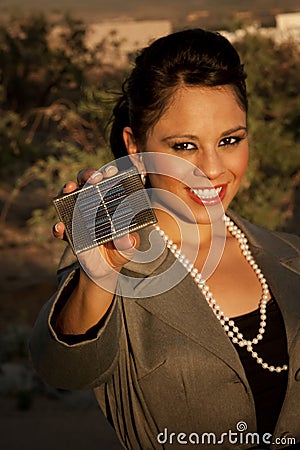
x=94 y=175
x=111 y=170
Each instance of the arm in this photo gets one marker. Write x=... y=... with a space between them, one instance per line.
x=86 y=306
x=74 y=343
x=80 y=361
x=92 y=296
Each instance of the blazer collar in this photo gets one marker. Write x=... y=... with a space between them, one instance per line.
x=192 y=316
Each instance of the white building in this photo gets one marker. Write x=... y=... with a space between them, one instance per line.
x=288 y=22
x=131 y=35
x=287 y=28
x=288 y=25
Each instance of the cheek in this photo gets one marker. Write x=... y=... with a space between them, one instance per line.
x=239 y=164
x=166 y=168
x=161 y=181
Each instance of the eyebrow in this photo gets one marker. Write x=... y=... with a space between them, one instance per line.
x=234 y=130
x=194 y=137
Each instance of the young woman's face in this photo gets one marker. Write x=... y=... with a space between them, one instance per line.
x=206 y=127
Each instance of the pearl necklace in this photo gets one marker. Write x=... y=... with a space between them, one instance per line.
x=228 y=324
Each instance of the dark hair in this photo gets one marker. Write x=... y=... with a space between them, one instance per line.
x=193 y=57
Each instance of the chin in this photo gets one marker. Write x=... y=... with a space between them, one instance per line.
x=209 y=214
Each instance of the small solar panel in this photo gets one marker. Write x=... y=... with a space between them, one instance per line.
x=101 y=212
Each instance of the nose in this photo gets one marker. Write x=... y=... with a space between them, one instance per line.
x=209 y=165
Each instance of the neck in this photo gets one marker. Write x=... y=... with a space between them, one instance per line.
x=181 y=231
x=199 y=242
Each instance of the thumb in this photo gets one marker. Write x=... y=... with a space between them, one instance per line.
x=127 y=242
x=121 y=250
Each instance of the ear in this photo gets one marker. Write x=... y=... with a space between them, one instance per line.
x=129 y=141
x=132 y=149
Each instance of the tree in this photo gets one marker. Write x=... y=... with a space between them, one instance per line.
x=274 y=169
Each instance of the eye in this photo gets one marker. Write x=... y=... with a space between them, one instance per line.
x=177 y=146
x=230 y=140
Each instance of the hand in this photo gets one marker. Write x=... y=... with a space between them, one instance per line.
x=99 y=262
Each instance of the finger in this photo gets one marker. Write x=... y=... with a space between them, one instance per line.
x=92 y=176
x=70 y=186
x=84 y=175
x=110 y=171
x=95 y=177
x=59 y=230
x=120 y=251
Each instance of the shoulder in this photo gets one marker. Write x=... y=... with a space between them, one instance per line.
x=291 y=240
x=271 y=248
x=278 y=242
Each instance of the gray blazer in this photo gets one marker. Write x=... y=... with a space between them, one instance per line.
x=163 y=370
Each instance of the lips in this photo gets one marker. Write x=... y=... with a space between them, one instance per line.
x=208 y=196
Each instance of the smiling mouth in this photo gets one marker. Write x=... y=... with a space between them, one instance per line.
x=208 y=196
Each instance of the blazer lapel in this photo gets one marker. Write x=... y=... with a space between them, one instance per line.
x=185 y=309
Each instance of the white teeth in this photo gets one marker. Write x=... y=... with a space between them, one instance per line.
x=207 y=193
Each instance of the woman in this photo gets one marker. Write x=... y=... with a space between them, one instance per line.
x=167 y=365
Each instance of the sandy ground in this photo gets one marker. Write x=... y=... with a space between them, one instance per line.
x=52 y=424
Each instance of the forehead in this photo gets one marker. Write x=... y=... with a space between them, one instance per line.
x=208 y=106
